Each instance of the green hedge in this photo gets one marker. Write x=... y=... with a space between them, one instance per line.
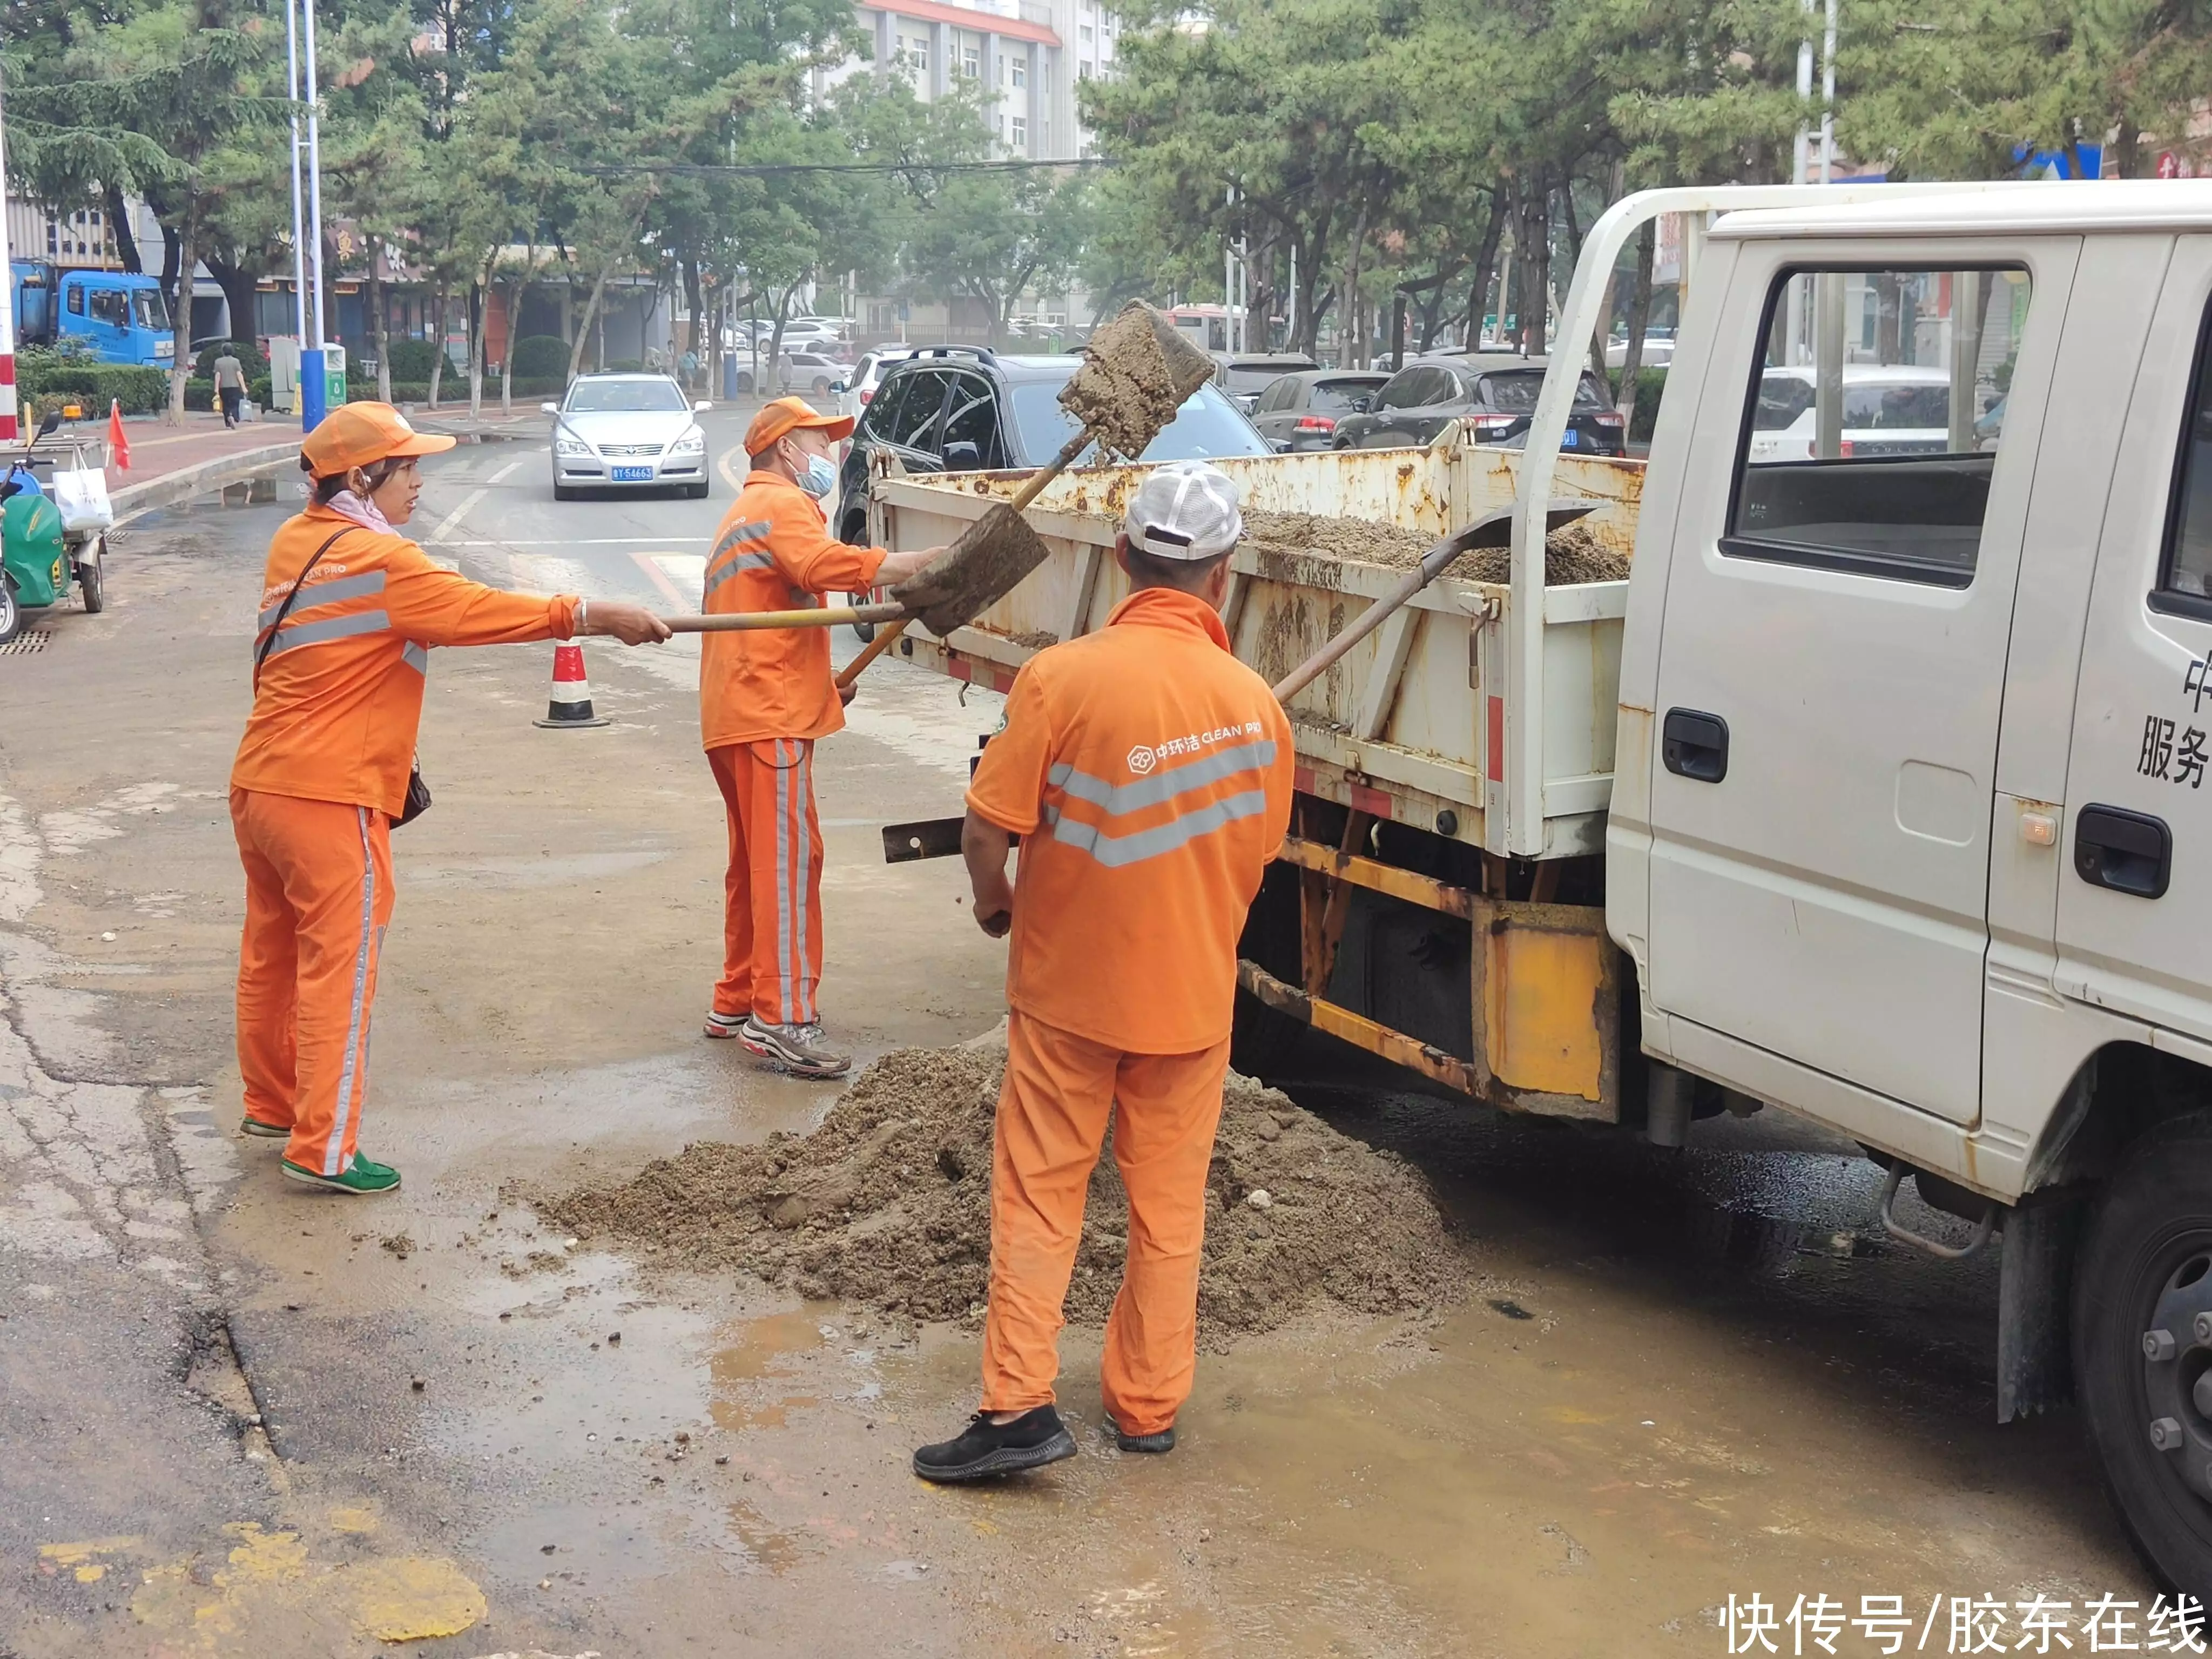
x=541 y=356
x=1650 y=386
x=140 y=391
x=411 y=361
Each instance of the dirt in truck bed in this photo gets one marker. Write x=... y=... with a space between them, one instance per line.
x=887 y=1204
x=1570 y=555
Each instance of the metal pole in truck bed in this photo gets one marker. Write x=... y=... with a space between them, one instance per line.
x=1523 y=787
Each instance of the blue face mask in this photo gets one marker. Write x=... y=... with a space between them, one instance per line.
x=820 y=477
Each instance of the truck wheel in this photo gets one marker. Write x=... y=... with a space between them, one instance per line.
x=2143 y=1349
x=91 y=579
x=11 y=613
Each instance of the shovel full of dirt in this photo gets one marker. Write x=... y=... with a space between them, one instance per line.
x=1136 y=372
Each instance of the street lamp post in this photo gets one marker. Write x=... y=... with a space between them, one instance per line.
x=299 y=232
x=7 y=305
x=314 y=389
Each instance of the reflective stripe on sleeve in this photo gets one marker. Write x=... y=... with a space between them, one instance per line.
x=318 y=593
x=1116 y=851
x=330 y=627
x=416 y=657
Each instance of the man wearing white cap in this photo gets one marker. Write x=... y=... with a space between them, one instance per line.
x=1148 y=772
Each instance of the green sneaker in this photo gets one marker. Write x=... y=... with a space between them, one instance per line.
x=364 y=1179
x=253 y=1126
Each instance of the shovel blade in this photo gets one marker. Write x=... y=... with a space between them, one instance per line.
x=992 y=555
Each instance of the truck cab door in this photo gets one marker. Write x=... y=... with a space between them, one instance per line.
x=1831 y=665
x=2137 y=890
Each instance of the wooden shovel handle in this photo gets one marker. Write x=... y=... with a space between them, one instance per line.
x=817 y=616
x=876 y=648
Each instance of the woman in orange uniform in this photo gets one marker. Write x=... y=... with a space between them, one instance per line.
x=349 y=608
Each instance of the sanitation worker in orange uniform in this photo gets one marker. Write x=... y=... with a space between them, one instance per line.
x=349 y=610
x=1148 y=774
x=764 y=699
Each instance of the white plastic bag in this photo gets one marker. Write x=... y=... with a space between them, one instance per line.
x=81 y=493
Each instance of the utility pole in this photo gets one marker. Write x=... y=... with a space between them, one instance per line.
x=1828 y=97
x=313 y=364
x=299 y=232
x=7 y=299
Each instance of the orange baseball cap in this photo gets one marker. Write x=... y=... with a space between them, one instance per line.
x=361 y=434
x=788 y=414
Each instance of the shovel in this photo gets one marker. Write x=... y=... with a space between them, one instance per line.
x=1492 y=530
x=1136 y=372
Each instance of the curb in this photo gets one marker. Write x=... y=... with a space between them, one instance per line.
x=131 y=500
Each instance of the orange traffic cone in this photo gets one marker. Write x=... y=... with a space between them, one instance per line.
x=571 y=702
x=119 y=446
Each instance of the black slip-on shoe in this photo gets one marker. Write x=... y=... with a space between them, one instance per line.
x=1161 y=1441
x=985 y=1449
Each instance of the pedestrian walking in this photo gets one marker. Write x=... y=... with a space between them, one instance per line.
x=229 y=385
x=1148 y=774
x=765 y=699
x=349 y=608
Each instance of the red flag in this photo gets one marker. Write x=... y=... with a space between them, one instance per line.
x=119 y=446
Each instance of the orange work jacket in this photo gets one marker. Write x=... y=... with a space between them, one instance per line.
x=773 y=552
x=1148 y=773
x=341 y=695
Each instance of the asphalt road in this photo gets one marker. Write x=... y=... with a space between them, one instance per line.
x=1677 y=1378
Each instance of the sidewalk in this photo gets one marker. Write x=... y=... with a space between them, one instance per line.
x=171 y=463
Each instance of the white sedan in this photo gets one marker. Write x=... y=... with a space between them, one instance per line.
x=628 y=432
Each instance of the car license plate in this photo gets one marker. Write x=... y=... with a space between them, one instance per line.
x=1572 y=440
x=632 y=475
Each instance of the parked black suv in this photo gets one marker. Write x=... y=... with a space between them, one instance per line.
x=964 y=409
x=1493 y=392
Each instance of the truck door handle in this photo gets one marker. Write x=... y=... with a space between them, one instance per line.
x=1694 y=745
x=2130 y=853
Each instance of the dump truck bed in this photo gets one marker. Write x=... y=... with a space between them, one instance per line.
x=1409 y=727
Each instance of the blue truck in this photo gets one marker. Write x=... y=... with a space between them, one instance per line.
x=122 y=318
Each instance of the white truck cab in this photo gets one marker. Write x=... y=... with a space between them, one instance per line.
x=1915 y=838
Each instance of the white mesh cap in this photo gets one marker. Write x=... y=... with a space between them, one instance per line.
x=1184 y=510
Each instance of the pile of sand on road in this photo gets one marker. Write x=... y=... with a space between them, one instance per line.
x=1572 y=553
x=888 y=1204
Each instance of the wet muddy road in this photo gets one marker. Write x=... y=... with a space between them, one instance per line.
x=244 y=1419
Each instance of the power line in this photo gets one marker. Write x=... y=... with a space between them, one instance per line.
x=770 y=169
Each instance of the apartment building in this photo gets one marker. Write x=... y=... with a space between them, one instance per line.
x=1028 y=55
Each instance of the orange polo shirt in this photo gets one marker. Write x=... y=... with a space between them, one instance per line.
x=773 y=552
x=1148 y=773
x=340 y=700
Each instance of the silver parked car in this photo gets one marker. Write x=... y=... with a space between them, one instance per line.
x=626 y=431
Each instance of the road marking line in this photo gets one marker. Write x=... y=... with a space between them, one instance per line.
x=459 y=513
x=653 y=573
x=497 y=476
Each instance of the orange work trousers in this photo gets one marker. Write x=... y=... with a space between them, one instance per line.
x=1059 y=1092
x=317 y=899
x=772 y=891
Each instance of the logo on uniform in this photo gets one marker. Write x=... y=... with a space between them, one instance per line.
x=1142 y=759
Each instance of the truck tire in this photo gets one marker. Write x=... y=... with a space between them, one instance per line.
x=2143 y=1349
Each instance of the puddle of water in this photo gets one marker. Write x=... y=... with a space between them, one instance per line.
x=745 y=1373
x=774 y=1551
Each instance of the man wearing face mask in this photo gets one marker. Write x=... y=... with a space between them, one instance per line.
x=764 y=698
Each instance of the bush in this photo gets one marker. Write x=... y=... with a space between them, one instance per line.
x=541 y=356
x=140 y=391
x=410 y=361
x=258 y=391
x=199 y=396
x=1650 y=386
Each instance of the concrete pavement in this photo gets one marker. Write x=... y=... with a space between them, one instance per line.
x=1682 y=1378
